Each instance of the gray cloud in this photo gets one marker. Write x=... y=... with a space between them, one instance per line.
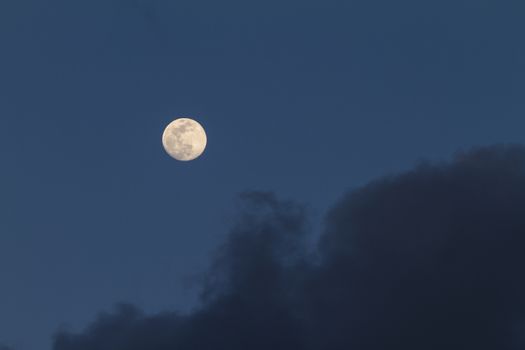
x=429 y=259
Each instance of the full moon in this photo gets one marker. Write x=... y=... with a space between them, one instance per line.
x=184 y=139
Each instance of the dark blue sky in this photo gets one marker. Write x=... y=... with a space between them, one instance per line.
x=304 y=98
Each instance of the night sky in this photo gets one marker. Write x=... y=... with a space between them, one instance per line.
x=363 y=185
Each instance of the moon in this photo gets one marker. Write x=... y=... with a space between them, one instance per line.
x=184 y=139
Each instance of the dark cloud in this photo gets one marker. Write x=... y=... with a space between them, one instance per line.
x=430 y=259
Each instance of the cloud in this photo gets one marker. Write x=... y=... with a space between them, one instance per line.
x=429 y=259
